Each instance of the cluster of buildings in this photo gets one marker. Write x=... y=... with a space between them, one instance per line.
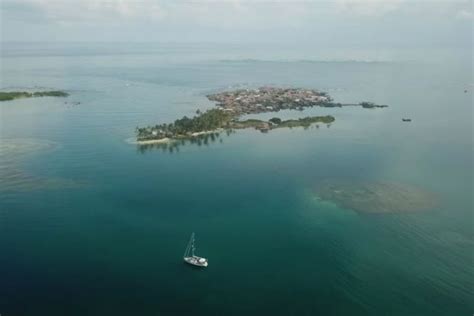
x=268 y=99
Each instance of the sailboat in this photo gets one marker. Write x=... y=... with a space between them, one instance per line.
x=190 y=257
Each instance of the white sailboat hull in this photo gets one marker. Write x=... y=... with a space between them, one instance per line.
x=196 y=261
x=189 y=256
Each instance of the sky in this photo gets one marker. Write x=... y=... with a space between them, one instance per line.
x=359 y=23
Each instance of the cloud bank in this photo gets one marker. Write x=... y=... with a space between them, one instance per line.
x=226 y=19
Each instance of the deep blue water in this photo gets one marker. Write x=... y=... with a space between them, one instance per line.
x=91 y=225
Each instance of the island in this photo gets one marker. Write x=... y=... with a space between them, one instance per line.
x=214 y=120
x=371 y=105
x=12 y=95
x=272 y=99
x=232 y=105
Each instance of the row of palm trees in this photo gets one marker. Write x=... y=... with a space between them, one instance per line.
x=204 y=121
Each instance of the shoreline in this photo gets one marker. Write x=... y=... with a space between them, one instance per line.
x=262 y=126
x=172 y=139
x=217 y=130
x=154 y=141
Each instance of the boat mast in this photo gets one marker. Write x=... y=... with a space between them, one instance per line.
x=190 y=247
x=186 y=251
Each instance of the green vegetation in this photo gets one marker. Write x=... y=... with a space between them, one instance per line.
x=258 y=124
x=208 y=121
x=371 y=105
x=54 y=93
x=278 y=123
x=307 y=121
x=8 y=96
x=215 y=119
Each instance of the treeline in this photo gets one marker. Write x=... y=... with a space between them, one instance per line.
x=276 y=122
x=371 y=105
x=7 y=96
x=307 y=121
x=207 y=121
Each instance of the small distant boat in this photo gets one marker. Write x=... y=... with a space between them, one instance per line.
x=406 y=120
x=190 y=257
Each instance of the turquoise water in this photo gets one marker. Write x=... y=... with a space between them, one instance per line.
x=91 y=225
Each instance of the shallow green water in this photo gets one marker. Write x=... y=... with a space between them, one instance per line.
x=90 y=225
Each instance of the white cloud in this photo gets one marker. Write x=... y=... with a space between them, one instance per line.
x=242 y=19
x=211 y=13
x=369 y=7
x=74 y=10
x=221 y=12
x=465 y=15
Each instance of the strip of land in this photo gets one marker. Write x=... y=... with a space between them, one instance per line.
x=12 y=95
x=214 y=120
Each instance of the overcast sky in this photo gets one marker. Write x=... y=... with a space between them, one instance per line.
x=401 y=23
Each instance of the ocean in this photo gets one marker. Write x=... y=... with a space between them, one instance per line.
x=92 y=224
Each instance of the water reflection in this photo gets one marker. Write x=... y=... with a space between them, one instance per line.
x=174 y=146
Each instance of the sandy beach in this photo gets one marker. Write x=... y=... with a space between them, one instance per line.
x=206 y=132
x=153 y=141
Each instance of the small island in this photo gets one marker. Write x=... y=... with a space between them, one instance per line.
x=214 y=120
x=12 y=95
x=231 y=105
x=271 y=99
x=371 y=105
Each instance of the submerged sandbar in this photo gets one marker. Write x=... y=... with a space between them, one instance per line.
x=376 y=197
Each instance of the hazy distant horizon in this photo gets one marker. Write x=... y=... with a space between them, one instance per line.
x=328 y=24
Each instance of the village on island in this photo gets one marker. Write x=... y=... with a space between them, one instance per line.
x=231 y=105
